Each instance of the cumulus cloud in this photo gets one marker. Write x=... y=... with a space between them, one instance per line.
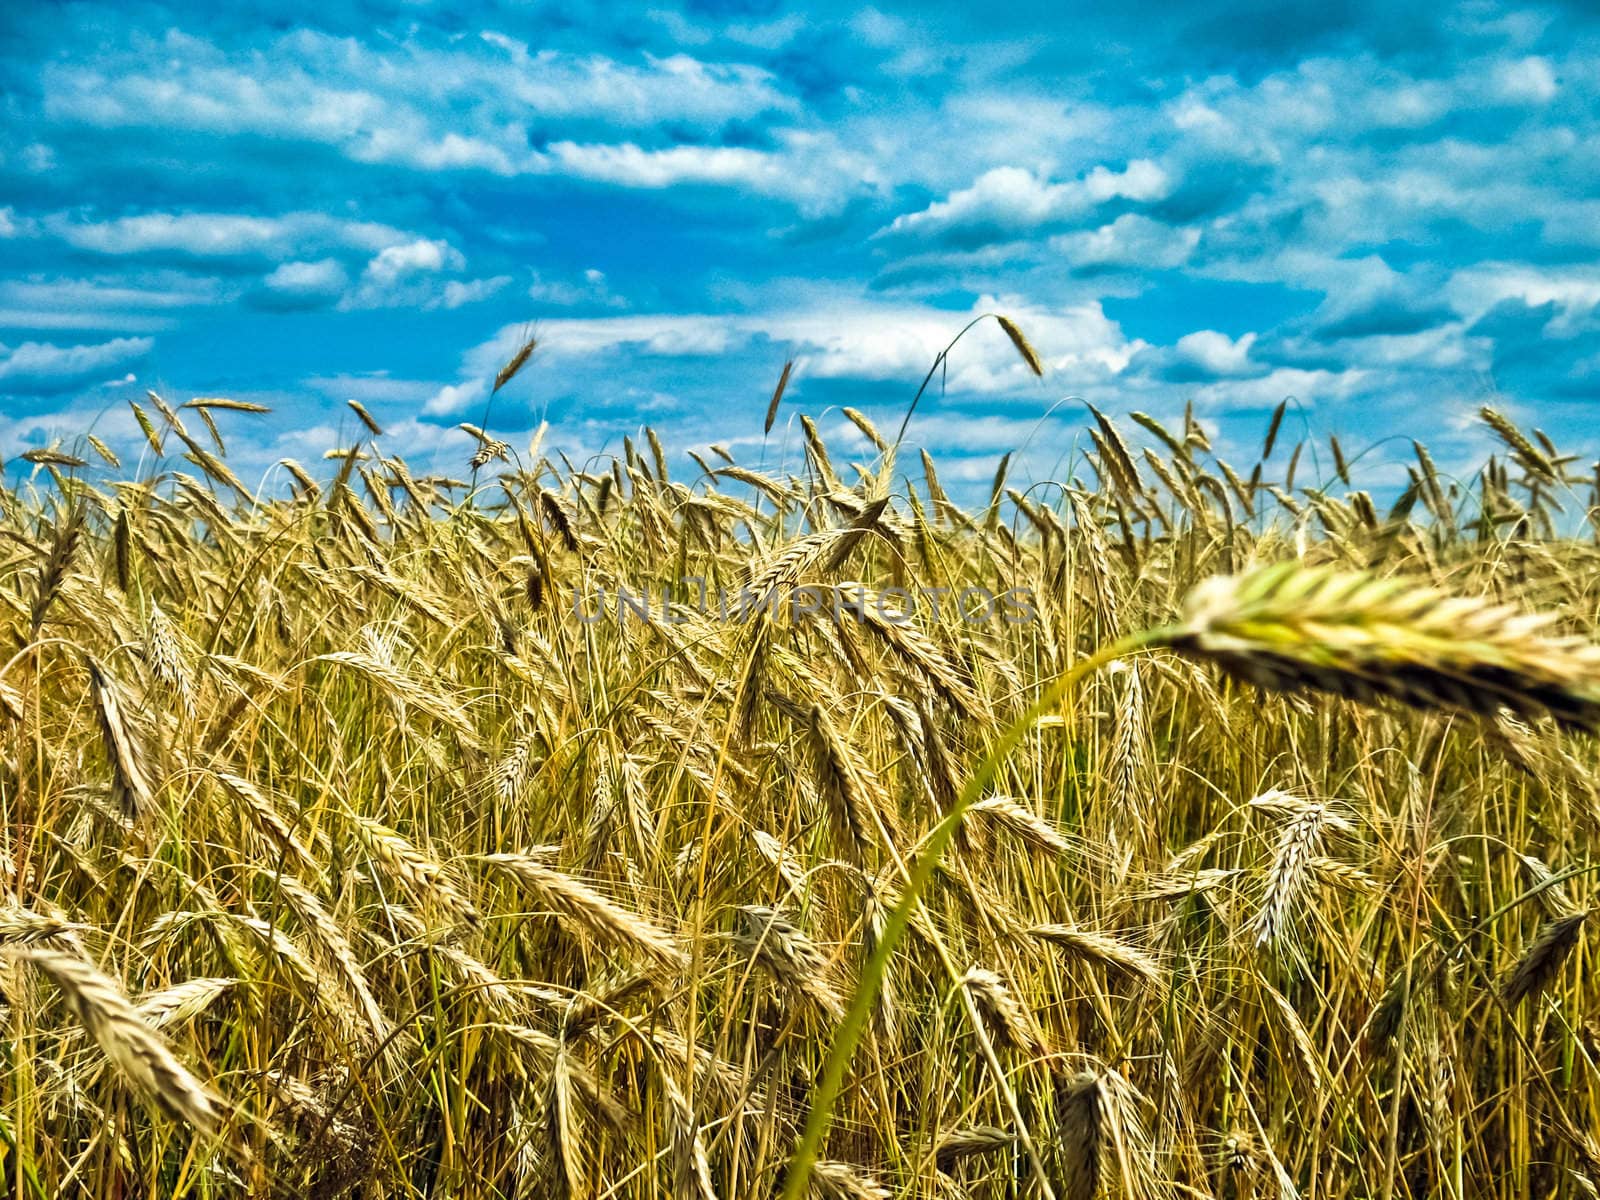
x=402 y=274
x=1203 y=356
x=1010 y=200
x=1216 y=354
x=394 y=263
x=302 y=285
x=44 y=368
x=454 y=398
x=1573 y=293
x=1530 y=80
x=1131 y=241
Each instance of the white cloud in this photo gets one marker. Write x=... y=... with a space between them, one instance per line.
x=434 y=107
x=837 y=337
x=1310 y=388
x=8 y=222
x=1575 y=291
x=454 y=398
x=677 y=87
x=1131 y=240
x=305 y=284
x=1527 y=80
x=1216 y=353
x=629 y=165
x=459 y=292
x=322 y=275
x=401 y=274
x=590 y=289
x=393 y=263
x=43 y=367
x=220 y=235
x=486 y=104
x=137 y=301
x=1015 y=199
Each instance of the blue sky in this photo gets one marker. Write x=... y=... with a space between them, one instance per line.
x=1390 y=213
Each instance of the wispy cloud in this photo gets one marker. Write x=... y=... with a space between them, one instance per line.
x=44 y=368
x=214 y=235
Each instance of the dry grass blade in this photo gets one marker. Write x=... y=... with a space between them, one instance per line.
x=425 y=879
x=22 y=926
x=1528 y=456
x=53 y=458
x=1022 y=823
x=1298 y=846
x=53 y=571
x=401 y=687
x=365 y=417
x=219 y=402
x=168 y=660
x=788 y=955
x=1008 y=1022
x=852 y=792
x=1079 y=1118
x=691 y=1170
x=11 y=702
x=975 y=1140
x=182 y=1001
x=845 y=1181
x=266 y=818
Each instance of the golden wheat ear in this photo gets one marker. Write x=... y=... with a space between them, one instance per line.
x=139 y=1054
x=1288 y=627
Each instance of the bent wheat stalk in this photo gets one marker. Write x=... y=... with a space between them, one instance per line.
x=1287 y=627
x=933 y=848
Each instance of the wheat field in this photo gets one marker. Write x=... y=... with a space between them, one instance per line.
x=358 y=842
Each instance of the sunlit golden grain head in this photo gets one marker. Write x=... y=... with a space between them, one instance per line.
x=1024 y=347
x=139 y=1054
x=1289 y=626
x=515 y=363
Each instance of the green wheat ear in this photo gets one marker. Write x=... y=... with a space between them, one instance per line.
x=1289 y=626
